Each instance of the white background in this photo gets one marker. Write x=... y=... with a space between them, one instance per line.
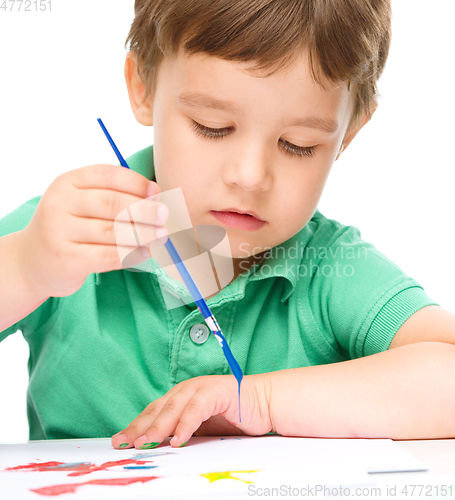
x=63 y=69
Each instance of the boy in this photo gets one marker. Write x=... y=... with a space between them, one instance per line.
x=241 y=126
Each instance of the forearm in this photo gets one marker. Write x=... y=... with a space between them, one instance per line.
x=16 y=298
x=403 y=393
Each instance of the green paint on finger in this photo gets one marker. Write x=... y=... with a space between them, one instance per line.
x=183 y=444
x=123 y=445
x=147 y=446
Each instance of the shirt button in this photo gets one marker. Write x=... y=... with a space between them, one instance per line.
x=199 y=333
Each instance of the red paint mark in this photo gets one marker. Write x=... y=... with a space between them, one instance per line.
x=43 y=466
x=79 y=469
x=60 y=489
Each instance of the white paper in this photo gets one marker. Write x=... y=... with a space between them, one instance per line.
x=209 y=467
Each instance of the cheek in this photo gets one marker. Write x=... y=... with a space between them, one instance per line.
x=297 y=202
x=171 y=173
x=312 y=185
x=178 y=156
x=301 y=190
x=173 y=166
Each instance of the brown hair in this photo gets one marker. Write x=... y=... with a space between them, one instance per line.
x=347 y=40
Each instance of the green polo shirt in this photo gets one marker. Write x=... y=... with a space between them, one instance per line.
x=99 y=356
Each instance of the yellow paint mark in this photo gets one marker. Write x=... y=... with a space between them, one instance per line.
x=216 y=476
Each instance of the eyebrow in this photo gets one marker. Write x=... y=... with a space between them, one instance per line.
x=325 y=124
x=204 y=101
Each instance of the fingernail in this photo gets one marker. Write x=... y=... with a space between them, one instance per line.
x=162 y=213
x=151 y=189
x=122 y=439
x=148 y=446
x=142 y=438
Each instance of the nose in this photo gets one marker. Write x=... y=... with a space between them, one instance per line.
x=250 y=169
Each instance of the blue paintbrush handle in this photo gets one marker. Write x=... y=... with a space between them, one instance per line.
x=204 y=308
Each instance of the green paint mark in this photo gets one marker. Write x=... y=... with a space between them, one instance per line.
x=123 y=445
x=147 y=446
x=183 y=444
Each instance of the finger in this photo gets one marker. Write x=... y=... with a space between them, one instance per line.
x=92 y=258
x=139 y=425
x=166 y=421
x=113 y=177
x=103 y=232
x=113 y=205
x=119 y=441
x=201 y=406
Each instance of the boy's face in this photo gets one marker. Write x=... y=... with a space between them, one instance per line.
x=260 y=159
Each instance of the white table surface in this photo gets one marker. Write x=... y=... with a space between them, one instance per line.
x=437 y=482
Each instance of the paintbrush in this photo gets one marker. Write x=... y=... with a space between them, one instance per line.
x=192 y=288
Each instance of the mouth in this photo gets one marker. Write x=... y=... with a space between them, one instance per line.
x=239 y=219
x=243 y=212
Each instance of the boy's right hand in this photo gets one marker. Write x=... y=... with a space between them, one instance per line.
x=71 y=233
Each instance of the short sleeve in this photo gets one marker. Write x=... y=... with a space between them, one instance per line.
x=12 y=222
x=364 y=297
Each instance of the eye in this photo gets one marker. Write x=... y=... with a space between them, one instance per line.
x=211 y=133
x=219 y=133
x=293 y=150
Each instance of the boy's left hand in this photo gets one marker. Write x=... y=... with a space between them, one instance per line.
x=207 y=404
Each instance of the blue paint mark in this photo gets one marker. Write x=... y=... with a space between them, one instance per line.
x=140 y=466
x=73 y=464
x=152 y=454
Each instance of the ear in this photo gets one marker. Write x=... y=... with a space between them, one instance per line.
x=143 y=110
x=355 y=128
